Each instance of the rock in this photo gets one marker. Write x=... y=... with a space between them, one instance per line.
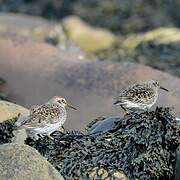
x=27 y=26
x=177 y=177
x=88 y=84
x=158 y=48
x=10 y=110
x=57 y=37
x=97 y=173
x=23 y=162
x=140 y=145
x=118 y=15
x=37 y=29
x=88 y=38
x=102 y=125
x=128 y=16
x=7 y=131
x=42 y=30
x=48 y=9
x=160 y=35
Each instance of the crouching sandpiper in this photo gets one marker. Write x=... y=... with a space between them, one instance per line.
x=46 y=118
x=140 y=96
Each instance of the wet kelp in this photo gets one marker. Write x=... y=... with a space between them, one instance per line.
x=7 y=131
x=142 y=145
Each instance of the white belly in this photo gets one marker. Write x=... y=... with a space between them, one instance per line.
x=132 y=105
x=47 y=129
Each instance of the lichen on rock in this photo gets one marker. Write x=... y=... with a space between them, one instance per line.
x=23 y=162
x=157 y=48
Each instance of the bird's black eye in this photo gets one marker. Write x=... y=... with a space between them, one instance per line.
x=63 y=101
x=156 y=84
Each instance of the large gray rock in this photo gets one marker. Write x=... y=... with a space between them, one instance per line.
x=37 y=29
x=36 y=71
x=102 y=125
x=20 y=162
x=10 y=110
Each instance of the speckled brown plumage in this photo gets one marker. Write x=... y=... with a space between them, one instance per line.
x=49 y=113
x=139 y=96
x=45 y=118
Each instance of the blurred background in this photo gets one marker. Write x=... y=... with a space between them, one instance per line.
x=87 y=51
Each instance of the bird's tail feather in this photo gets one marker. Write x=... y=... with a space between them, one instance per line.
x=22 y=119
x=120 y=100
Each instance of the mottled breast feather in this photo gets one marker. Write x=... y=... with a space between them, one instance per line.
x=48 y=113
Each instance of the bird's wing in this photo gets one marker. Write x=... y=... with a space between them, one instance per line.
x=22 y=119
x=123 y=96
x=121 y=99
x=141 y=93
x=25 y=119
x=34 y=107
x=135 y=93
x=42 y=115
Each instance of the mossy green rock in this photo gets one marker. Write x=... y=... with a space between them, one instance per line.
x=158 y=48
x=19 y=162
x=130 y=15
x=88 y=38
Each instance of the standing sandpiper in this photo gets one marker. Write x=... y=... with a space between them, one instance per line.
x=46 y=118
x=139 y=96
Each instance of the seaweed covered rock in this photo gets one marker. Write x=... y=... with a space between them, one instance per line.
x=8 y=115
x=158 y=48
x=116 y=15
x=88 y=38
x=23 y=162
x=6 y=131
x=130 y=15
x=141 y=145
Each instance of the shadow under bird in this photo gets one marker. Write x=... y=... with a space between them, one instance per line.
x=46 y=118
x=140 y=96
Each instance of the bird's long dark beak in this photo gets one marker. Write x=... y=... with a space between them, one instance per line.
x=163 y=88
x=115 y=101
x=70 y=106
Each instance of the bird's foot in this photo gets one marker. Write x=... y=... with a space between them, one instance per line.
x=44 y=135
x=39 y=136
x=126 y=113
x=50 y=137
x=61 y=129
